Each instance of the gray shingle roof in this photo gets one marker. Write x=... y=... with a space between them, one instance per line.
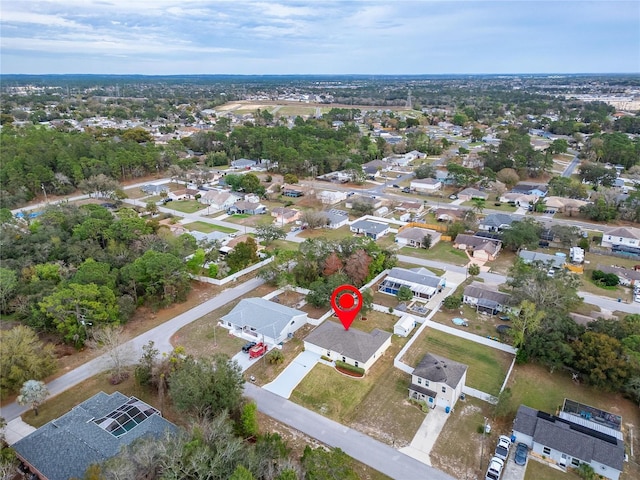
x=440 y=369
x=352 y=343
x=534 y=257
x=65 y=447
x=498 y=219
x=420 y=277
x=369 y=226
x=569 y=438
x=417 y=234
x=263 y=315
x=481 y=291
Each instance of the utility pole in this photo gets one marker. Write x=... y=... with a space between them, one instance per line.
x=46 y=200
x=484 y=432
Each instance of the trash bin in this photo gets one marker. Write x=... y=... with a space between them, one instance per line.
x=619 y=300
x=447 y=409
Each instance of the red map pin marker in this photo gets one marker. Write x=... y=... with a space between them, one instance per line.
x=346 y=301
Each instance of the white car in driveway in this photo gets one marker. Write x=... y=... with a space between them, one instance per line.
x=502 y=449
x=495 y=469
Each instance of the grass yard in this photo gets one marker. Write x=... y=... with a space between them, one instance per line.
x=539 y=471
x=205 y=227
x=328 y=233
x=289 y=110
x=379 y=320
x=479 y=324
x=487 y=366
x=185 y=206
x=459 y=447
x=612 y=292
x=352 y=400
x=442 y=252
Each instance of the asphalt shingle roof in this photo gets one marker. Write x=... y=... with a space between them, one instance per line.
x=440 y=369
x=263 y=315
x=352 y=343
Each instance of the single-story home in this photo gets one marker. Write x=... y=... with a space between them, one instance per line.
x=374 y=167
x=219 y=200
x=519 y=199
x=369 y=228
x=328 y=197
x=554 y=261
x=570 y=440
x=244 y=163
x=470 y=193
x=565 y=205
x=626 y=276
x=496 y=222
x=485 y=249
x=263 y=321
x=423 y=283
x=247 y=208
x=485 y=298
x=404 y=326
x=292 y=192
x=449 y=214
x=414 y=237
x=538 y=189
x=151 y=189
x=411 y=207
x=438 y=381
x=284 y=215
x=92 y=432
x=353 y=346
x=336 y=218
x=363 y=200
x=426 y=185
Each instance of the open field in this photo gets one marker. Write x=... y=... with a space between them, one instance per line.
x=327 y=233
x=442 y=252
x=487 y=366
x=185 y=206
x=208 y=228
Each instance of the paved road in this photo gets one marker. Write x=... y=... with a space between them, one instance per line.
x=160 y=335
x=355 y=444
x=572 y=165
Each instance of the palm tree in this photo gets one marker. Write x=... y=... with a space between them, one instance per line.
x=478 y=204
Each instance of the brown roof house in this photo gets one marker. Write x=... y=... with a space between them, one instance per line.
x=482 y=248
x=284 y=215
x=438 y=381
x=353 y=346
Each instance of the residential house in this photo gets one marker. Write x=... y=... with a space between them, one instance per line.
x=423 y=283
x=485 y=298
x=292 y=192
x=328 y=197
x=627 y=277
x=438 y=381
x=444 y=177
x=570 y=440
x=369 y=228
x=404 y=326
x=244 y=163
x=449 y=214
x=374 y=167
x=538 y=189
x=519 y=199
x=247 y=208
x=151 y=189
x=336 y=218
x=469 y=194
x=622 y=239
x=284 y=215
x=219 y=200
x=565 y=205
x=414 y=208
x=352 y=346
x=374 y=203
x=415 y=237
x=92 y=432
x=426 y=185
x=496 y=222
x=555 y=262
x=263 y=320
x=482 y=248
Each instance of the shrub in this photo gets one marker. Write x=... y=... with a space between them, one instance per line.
x=452 y=302
x=350 y=368
x=607 y=279
x=213 y=270
x=325 y=358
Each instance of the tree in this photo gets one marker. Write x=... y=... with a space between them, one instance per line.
x=357 y=266
x=111 y=338
x=508 y=176
x=151 y=207
x=427 y=241
x=522 y=234
x=601 y=359
x=23 y=357
x=452 y=302
x=248 y=425
x=74 y=308
x=269 y=233
x=474 y=269
x=33 y=393
x=501 y=408
x=244 y=254
x=322 y=464
x=425 y=171
x=476 y=134
x=241 y=473
x=275 y=356
x=559 y=145
x=332 y=265
x=404 y=294
x=206 y=387
x=8 y=284
x=99 y=186
x=525 y=323
x=144 y=369
x=314 y=219
x=478 y=205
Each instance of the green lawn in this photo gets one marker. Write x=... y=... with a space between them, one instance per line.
x=205 y=227
x=442 y=252
x=185 y=206
x=487 y=366
x=539 y=471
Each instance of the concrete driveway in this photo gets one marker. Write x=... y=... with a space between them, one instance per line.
x=511 y=470
x=426 y=436
x=291 y=376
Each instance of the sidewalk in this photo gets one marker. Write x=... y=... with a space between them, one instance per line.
x=16 y=430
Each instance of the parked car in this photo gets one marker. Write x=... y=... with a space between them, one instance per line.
x=495 y=469
x=395 y=185
x=248 y=346
x=453 y=196
x=521 y=454
x=504 y=444
x=406 y=190
x=167 y=200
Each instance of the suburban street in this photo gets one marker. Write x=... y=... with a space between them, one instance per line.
x=355 y=444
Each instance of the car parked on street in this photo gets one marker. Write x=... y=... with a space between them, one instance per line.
x=522 y=451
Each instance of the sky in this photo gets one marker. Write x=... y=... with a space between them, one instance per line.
x=166 y=37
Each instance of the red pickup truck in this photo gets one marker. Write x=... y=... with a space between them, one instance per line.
x=257 y=350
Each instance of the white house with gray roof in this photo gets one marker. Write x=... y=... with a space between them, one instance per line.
x=496 y=222
x=336 y=218
x=353 y=346
x=438 y=381
x=423 y=283
x=369 y=228
x=91 y=432
x=262 y=320
x=415 y=237
x=623 y=239
x=570 y=441
x=553 y=261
